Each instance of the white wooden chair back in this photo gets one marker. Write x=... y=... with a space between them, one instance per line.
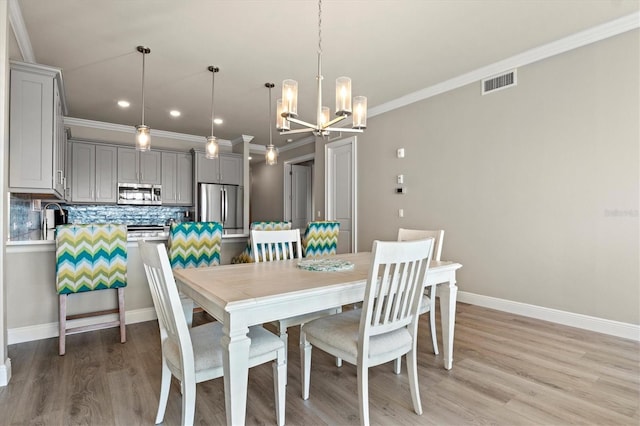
x=394 y=288
x=164 y=292
x=276 y=245
x=420 y=234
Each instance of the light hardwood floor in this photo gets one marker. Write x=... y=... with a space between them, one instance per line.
x=507 y=370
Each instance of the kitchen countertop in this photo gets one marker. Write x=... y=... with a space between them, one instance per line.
x=35 y=238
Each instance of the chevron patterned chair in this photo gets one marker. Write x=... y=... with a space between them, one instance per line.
x=195 y=244
x=247 y=255
x=90 y=258
x=320 y=238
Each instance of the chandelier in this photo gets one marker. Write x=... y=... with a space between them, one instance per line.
x=287 y=107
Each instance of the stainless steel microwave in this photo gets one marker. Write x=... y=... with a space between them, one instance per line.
x=139 y=194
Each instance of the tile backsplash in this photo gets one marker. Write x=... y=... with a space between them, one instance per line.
x=23 y=219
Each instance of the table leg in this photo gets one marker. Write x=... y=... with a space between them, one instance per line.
x=236 y=372
x=448 y=294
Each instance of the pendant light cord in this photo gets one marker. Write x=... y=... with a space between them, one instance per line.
x=143 y=56
x=320 y=27
x=213 y=85
x=270 y=123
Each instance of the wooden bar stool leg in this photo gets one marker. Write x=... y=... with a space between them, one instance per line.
x=62 y=332
x=123 y=329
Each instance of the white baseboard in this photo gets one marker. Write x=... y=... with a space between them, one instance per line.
x=5 y=372
x=46 y=331
x=599 y=325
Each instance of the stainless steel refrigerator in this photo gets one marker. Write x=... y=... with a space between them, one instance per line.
x=221 y=203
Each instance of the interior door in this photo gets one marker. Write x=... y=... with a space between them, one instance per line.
x=340 y=190
x=301 y=213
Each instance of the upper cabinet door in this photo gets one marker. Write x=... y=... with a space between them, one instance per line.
x=106 y=171
x=169 y=172
x=207 y=171
x=184 y=180
x=139 y=167
x=35 y=164
x=83 y=157
x=150 y=167
x=231 y=169
x=127 y=165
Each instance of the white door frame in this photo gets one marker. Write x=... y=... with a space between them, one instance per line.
x=286 y=207
x=328 y=180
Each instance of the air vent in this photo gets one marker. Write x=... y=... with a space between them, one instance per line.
x=499 y=82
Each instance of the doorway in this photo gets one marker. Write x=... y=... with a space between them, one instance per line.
x=298 y=191
x=340 y=190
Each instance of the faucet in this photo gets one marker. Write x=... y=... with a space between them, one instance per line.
x=44 y=216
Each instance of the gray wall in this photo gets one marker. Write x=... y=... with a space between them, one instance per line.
x=267 y=185
x=536 y=186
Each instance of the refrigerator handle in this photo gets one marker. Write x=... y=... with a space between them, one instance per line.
x=226 y=205
x=221 y=205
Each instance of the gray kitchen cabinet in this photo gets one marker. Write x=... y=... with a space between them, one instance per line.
x=177 y=179
x=37 y=140
x=226 y=169
x=139 y=167
x=94 y=169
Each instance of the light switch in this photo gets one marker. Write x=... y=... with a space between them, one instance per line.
x=400 y=212
x=400 y=179
x=400 y=152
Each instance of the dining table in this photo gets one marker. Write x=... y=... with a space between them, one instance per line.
x=244 y=295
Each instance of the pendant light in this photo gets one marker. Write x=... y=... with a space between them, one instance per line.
x=143 y=136
x=271 y=155
x=287 y=110
x=211 y=148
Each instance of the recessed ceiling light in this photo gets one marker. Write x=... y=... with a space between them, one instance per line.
x=217 y=120
x=174 y=113
x=250 y=158
x=289 y=140
x=123 y=104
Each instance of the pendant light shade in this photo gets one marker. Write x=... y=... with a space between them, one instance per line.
x=211 y=148
x=271 y=155
x=143 y=135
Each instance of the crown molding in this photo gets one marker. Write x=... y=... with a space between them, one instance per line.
x=242 y=139
x=20 y=31
x=574 y=41
x=101 y=125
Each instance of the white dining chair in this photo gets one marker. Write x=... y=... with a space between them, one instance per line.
x=194 y=355
x=387 y=325
x=282 y=245
x=429 y=299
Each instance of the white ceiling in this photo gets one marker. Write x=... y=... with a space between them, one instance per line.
x=390 y=48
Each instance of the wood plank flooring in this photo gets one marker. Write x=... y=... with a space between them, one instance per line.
x=507 y=370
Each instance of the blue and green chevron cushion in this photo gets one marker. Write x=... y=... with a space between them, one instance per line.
x=90 y=257
x=320 y=238
x=246 y=256
x=195 y=244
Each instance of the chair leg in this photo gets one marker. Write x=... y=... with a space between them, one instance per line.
x=164 y=391
x=412 y=368
x=121 y=311
x=62 y=328
x=188 y=400
x=279 y=385
x=397 y=365
x=363 y=392
x=305 y=364
x=432 y=320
